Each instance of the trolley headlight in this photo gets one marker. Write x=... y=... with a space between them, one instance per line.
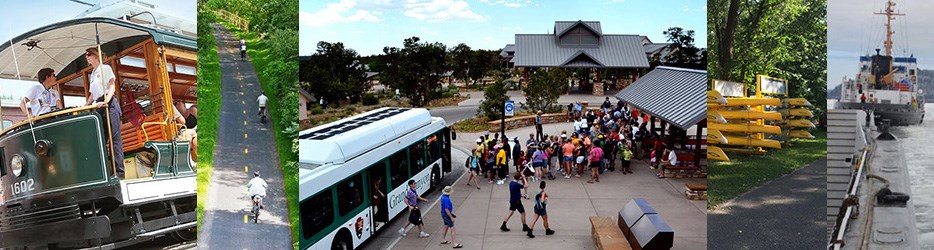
x=17 y=163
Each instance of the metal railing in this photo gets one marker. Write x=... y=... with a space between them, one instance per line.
x=837 y=242
x=234 y=19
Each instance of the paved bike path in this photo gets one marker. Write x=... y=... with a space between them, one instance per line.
x=243 y=145
x=786 y=213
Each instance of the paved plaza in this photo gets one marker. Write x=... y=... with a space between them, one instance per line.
x=571 y=202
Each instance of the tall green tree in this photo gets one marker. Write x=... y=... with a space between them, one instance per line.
x=460 y=61
x=683 y=51
x=544 y=89
x=494 y=98
x=785 y=39
x=416 y=69
x=333 y=73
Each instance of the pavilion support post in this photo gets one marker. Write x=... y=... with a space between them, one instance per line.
x=697 y=143
x=525 y=75
x=652 y=124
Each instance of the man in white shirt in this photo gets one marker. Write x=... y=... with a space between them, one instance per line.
x=261 y=100
x=257 y=187
x=102 y=89
x=672 y=160
x=242 y=50
x=41 y=97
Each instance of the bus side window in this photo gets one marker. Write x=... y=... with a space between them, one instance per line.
x=435 y=147
x=350 y=194
x=417 y=156
x=317 y=213
x=398 y=169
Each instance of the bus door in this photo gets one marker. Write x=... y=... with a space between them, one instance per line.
x=378 y=190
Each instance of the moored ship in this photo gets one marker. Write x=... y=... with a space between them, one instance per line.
x=886 y=84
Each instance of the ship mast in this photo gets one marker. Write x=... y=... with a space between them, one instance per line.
x=889 y=16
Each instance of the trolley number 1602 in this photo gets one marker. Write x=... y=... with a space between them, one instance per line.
x=23 y=186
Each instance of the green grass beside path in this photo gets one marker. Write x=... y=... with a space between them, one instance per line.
x=259 y=55
x=209 y=101
x=748 y=171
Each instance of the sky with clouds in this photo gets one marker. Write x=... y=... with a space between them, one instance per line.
x=369 y=25
x=852 y=31
x=18 y=17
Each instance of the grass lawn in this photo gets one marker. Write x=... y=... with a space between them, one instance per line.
x=209 y=101
x=288 y=156
x=747 y=171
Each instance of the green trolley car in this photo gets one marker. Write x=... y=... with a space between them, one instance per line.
x=58 y=182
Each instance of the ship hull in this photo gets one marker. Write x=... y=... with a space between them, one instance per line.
x=898 y=114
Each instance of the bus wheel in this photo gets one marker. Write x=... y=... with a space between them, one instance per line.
x=342 y=241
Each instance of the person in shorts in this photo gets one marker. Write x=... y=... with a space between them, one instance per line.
x=415 y=215
x=595 y=161
x=447 y=215
x=473 y=166
x=515 y=202
x=540 y=201
x=626 y=155
x=568 y=157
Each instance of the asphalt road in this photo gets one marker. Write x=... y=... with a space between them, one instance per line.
x=455 y=113
x=786 y=213
x=244 y=145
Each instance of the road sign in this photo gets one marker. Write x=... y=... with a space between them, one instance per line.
x=509 y=108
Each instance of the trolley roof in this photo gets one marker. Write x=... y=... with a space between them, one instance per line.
x=342 y=140
x=61 y=45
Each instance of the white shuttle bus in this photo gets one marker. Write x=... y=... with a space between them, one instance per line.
x=354 y=172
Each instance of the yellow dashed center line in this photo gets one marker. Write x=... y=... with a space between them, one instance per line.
x=246 y=150
x=245 y=218
x=246 y=168
x=245 y=136
x=244 y=123
x=244 y=111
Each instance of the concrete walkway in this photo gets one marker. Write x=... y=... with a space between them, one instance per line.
x=786 y=213
x=571 y=202
x=244 y=145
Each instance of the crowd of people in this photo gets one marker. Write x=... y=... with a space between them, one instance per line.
x=601 y=140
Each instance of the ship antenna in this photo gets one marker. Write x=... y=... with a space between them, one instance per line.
x=890 y=15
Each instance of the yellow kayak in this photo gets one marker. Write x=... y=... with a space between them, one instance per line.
x=716 y=153
x=748 y=115
x=753 y=142
x=800 y=134
x=750 y=101
x=800 y=123
x=797 y=102
x=746 y=128
x=714 y=97
x=800 y=112
x=715 y=137
x=714 y=116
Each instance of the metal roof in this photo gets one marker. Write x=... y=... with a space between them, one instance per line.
x=507 y=49
x=676 y=95
x=62 y=44
x=614 y=51
x=564 y=26
x=654 y=47
x=307 y=95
